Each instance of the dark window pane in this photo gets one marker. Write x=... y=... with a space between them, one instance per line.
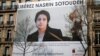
x=13 y=5
x=6 y=51
x=8 y=35
x=3 y=4
x=19 y=1
x=11 y=17
x=13 y=0
x=1 y=19
x=27 y=0
x=96 y=2
x=97 y=53
x=97 y=37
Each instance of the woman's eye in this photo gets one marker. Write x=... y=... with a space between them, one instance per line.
x=44 y=19
x=39 y=19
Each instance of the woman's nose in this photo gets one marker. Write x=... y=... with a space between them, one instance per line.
x=41 y=21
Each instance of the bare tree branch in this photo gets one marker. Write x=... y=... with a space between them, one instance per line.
x=21 y=35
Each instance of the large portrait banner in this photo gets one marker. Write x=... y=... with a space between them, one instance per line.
x=51 y=28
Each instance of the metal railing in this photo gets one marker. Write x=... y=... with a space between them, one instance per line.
x=8 y=39
x=10 y=7
x=10 y=22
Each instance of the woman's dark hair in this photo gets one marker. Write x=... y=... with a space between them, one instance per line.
x=43 y=12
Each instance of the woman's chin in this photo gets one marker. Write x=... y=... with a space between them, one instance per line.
x=41 y=28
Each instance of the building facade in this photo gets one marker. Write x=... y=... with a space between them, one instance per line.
x=8 y=9
x=93 y=28
x=7 y=26
x=96 y=28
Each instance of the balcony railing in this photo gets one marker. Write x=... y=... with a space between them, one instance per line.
x=8 y=39
x=10 y=22
x=97 y=40
x=6 y=54
x=0 y=39
x=96 y=22
x=13 y=6
x=1 y=22
x=8 y=8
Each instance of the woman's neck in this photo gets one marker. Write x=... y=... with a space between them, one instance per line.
x=42 y=30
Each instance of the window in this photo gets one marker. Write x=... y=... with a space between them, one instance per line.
x=0 y=39
x=13 y=4
x=97 y=53
x=0 y=35
x=10 y=20
x=0 y=6
x=43 y=0
x=11 y=17
x=6 y=51
x=96 y=2
x=8 y=35
x=97 y=37
x=0 y=45
x=97 y=17
x=28 y=0
x=19 y=1
x=3 y=4
x=1 y=19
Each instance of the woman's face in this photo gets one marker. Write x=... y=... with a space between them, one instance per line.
x=41 y=21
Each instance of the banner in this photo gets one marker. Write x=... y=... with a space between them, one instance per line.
x=51 y=49
x=58 y=27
